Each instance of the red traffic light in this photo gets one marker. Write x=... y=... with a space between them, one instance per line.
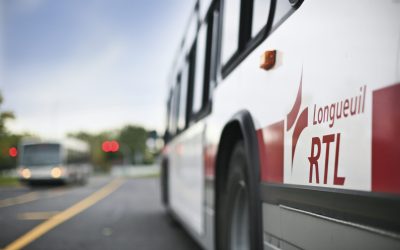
x=114 y=146
x=13 y=152
x=110 y=146
x=106 y=146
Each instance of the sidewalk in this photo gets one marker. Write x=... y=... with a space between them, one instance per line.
x=135 y=170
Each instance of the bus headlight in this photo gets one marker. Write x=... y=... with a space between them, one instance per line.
x=56 y=172
x=26 y=173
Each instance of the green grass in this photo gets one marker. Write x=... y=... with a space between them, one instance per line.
x=8 y=181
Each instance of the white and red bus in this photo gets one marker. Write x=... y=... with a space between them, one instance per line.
x=283 y=125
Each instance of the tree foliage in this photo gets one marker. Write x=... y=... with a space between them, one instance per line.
x=4 y=116
x=7 y=140
x=132 y=140
x=98 y=157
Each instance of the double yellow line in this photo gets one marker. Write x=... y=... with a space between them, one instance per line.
x=61 y=217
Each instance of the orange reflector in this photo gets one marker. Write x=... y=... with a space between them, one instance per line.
x=268 y=59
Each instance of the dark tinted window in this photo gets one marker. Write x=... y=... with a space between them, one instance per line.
x=173 y=112
x=199 y=72
x=183 y=85
x=41 y=155
x=230 y=29
x=77 y=157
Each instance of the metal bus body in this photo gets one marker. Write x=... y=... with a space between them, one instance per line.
x=320 y=127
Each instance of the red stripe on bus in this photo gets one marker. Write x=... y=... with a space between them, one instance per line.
x=270 y=141
x=301 y=124
x=291 y=117
x=386 y=140
x=210 y=152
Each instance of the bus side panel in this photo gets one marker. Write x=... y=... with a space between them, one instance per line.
x=330 y=61
x=186 y=175
x=327 y=71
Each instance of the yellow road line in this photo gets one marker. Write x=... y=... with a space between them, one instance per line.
x=61 y=217
x=31 y=196
x=37 y=215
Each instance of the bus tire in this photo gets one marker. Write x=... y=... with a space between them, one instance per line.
x=238 y=222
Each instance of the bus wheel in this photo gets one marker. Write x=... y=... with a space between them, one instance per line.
x=239 y=223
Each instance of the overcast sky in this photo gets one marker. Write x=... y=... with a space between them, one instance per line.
x=72 y=65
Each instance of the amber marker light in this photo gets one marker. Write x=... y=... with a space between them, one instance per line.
x=56 y=172
x=26 y=173
x=267 y=60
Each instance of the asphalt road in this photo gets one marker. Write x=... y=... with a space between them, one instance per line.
x=106 y=213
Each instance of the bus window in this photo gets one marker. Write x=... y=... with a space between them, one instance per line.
x=167 y=133
x=181 y=104
x=283 y=9
x=204 y=5
x=41 y=155
x=199 y=73
x=77 y=157
x=261 y=9
x=230 y=29
x=183 y=80
x=187 y=92
x=177 y=106
x=173 y=114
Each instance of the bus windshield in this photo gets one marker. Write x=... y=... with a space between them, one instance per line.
x=41 y=154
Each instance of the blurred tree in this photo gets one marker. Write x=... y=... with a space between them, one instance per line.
x=134 y=138
x=133 y=148
x=4 y=116
x=98 y=158
x=6 y=142
x=6 y=139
